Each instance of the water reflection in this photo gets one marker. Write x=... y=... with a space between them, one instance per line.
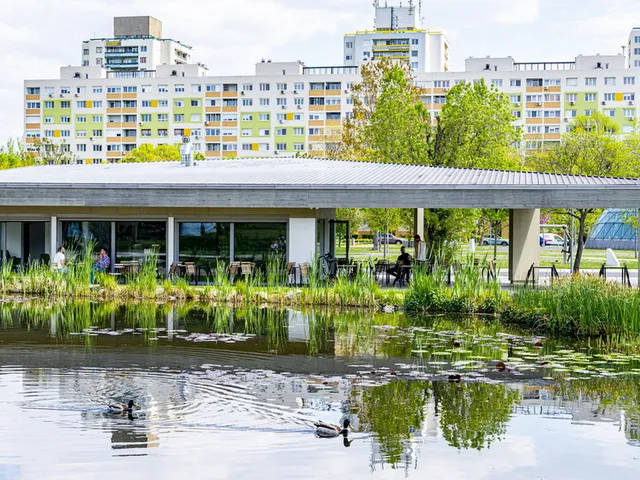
x=248 y=383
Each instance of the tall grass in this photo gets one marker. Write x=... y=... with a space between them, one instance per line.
x=581 y=305
x=145 y=282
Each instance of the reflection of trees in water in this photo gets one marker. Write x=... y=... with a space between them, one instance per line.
x=392 y=412
x=473 y=415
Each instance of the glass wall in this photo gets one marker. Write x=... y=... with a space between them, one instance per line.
x=205 y=244
x=3 y=256
x=136 y=240
x=256 y=242
x=75 y=236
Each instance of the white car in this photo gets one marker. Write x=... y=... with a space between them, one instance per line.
x=551 y=240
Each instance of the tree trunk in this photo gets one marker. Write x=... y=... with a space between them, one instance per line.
x=376 y=241
x=582 y=220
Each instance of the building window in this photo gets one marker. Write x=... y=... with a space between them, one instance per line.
x=636 y=39
x=212 y=88
x=629 y=97
x=282 y=102
x=98 y=49
x=247 y=102
x=415 y=41
x=247 y=87
x=588 y=113
x=264 y=102
x=195 y=103
x=81 y=133
x=347 y=45
x=629 y=112
x=163 y=89
x=96 y=133
x=515 y=82
x=281 y=86
x=590 y=97
x=298 y=86
x=265 y=87
x=572 y=97
x=610 y=80
x=281 y=146
x=97 y=119
x=572 y=82
x=179 y=88
x=178 y=103
x=414 y=65
x=552 y=82
x=608 y=97
x=145 y=117
x=143 y=48
x=516 y=114
x=81 y=119
x=298 y=147
x=590 y=81
x=257 y=242
x=609 y=112
x=496 y=83
x=298 y=101
x=178 y=117
x=629 y=80
x=247 y=117
x=414 y=53
x=571 y=113
x=143 y=59
x=265 y=117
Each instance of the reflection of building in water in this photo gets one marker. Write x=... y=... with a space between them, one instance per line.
x=544 y=400
x=632 y=428
x=298 y=326
x=132 y=436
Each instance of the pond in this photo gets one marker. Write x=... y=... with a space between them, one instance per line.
x=234 y=394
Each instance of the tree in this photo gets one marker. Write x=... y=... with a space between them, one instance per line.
x=14 y=155
x=589 y=148
x=148 y=153
x=352 y=215
x=53 y=152
x=475 y=129
x=390 y=123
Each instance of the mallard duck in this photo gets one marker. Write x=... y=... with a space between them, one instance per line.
x=121 y=408
x=327 y=430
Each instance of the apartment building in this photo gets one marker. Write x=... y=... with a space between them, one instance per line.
x=100 y=114
x=136 y=44
x=398 y=35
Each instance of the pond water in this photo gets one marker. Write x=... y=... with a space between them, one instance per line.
x=234 y=393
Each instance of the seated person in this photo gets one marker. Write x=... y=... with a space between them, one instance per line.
x=104 y=262
x=397 y=271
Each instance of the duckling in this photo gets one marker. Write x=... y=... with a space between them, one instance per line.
x=327 y=430
x=121 y=408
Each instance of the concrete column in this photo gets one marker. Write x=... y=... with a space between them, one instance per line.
x=171 y=243
x=53 y=245
x=524 y=242
x=418 y=222
x=301 y=243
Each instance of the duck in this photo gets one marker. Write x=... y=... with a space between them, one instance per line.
x=327 y=430
x=121 y=408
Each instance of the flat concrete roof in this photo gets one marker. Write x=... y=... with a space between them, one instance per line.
x=284 y=182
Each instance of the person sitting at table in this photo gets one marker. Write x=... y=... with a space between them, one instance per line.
x=102 y=265
x=404 y=259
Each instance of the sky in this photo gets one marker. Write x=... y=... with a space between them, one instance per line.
x=230 y=36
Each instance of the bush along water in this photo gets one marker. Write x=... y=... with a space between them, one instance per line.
x=470 y=292
x=579 y=305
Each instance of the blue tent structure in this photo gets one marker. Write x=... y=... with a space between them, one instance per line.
x=614 y=229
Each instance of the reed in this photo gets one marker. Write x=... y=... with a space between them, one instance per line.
x=579 y=305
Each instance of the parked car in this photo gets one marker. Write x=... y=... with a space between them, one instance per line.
x=551 y=240
x=390 y=239
x=492 y=240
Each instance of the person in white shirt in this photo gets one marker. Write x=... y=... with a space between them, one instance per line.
x=420 y=249
x=59 y=262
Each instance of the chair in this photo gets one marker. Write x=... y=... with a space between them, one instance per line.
x=304 y=273
x=190 y=271
x=234 y=271
x=246 y=268
x=174 y=270
x=381 y=269
x=290 y=273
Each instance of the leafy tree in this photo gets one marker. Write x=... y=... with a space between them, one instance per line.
x=14 y=155
x=390 y=122
x=590 y=147
x=352 y=215
x=53 y=152
x=475 y=129
x=148 y=153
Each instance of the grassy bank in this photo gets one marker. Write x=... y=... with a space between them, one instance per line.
x=578 y=306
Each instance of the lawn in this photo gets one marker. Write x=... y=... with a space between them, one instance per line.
x=591 y=259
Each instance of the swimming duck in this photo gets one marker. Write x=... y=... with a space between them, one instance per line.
x=327 y=430
x=121 y=408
